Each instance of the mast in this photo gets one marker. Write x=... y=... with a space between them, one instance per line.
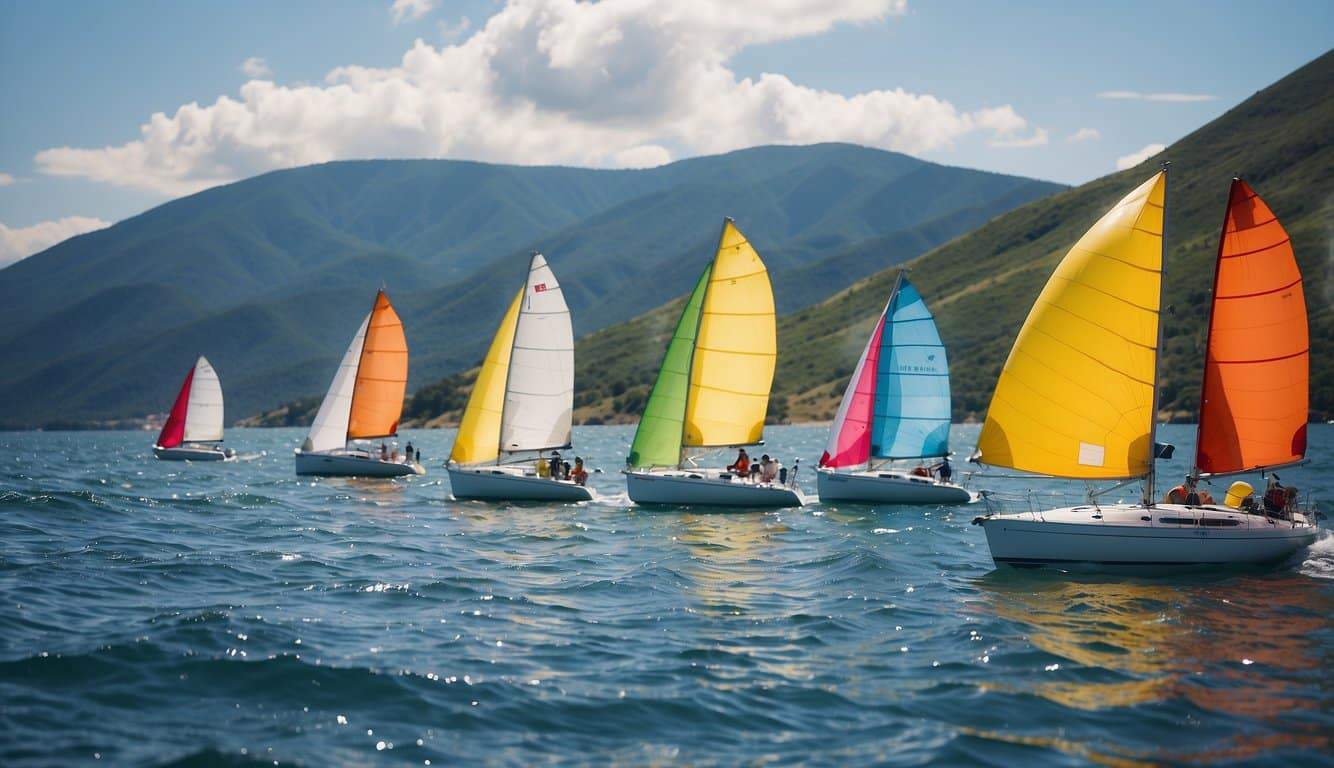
x=1158 y=349
x=690 y=367
x=1209 y=332
x=504 y=393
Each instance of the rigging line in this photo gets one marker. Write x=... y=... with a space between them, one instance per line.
x=1093 y=359
x=1298 y=281
x=737 y=352
x=1102 y=327
x=1265 y=360
x=1109 y=257
x=1261 y=249
x=1095 y=289
x=739 y=393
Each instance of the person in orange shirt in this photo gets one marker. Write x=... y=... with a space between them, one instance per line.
x=742 y=464
x=579 y=475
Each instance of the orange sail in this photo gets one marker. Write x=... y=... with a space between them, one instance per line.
x=1253 y=406
x=382 y=375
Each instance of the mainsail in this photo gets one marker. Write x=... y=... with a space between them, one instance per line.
x=1253 y=404
x=1076 y=396
x=197 y=415
x=713 y=387
x=203 y=417
x=897 y=404
x=365 y=399
x=523 y=399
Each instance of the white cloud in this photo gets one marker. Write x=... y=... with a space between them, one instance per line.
x=410 y=10
x=6 y=180
x=20 y=242
x=255 y=67
x=612 y=83
x=1084 y=134
x=1137 y=96
x=1135 y=158
x=643 y=156
x=1039 y=138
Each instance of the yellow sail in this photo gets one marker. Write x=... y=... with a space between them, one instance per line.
x=733 y=364
x=479 y=431
x=1075 y=398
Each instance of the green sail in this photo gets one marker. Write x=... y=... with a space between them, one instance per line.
x=658 y=439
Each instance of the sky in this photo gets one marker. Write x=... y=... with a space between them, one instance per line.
x=113 y=108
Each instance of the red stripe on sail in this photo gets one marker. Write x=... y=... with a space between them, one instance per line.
x=1253 y=405
x=173 y=432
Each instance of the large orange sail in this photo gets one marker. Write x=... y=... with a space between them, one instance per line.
x=382 y=375
x=1253 y=406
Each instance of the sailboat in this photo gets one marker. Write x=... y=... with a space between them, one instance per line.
x=364 y=402
x=522 y=402
x=193 y=431
x=1078 y=395
x=712 y=390
x=896 y=407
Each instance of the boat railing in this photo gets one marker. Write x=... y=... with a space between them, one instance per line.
x=1302 y=510
x=1033 y=501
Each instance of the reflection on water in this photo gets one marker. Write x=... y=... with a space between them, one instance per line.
x=1244 y=647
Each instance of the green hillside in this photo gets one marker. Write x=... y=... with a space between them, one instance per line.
x=269 y=277
x=981 y=285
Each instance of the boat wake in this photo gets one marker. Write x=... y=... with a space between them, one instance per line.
x=1319 y=562
x=621 y=500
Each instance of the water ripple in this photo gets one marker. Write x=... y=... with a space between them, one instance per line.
x=233 y=615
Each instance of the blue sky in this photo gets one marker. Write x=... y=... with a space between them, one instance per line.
x=999 y=86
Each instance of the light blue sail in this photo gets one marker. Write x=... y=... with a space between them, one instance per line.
x=911 y=419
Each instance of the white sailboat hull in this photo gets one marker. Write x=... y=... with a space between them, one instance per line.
x=706 y=488
x=887 y=487
x=1171 y=536
x=512 y=484
x=333 y=464
x=194 y=453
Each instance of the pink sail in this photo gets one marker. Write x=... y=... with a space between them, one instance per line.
x=850 y=434
x=173 y=432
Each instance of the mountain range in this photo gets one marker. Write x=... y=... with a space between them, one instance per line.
x=269 y=276
x=981 y=285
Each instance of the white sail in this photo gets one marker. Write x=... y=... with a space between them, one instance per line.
x=539 y=393
x=330 y=428
x=203 y=411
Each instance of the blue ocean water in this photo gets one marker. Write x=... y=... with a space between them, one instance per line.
x=159 y=613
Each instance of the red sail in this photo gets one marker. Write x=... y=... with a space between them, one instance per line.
x=174 y=430
x=1253 y=406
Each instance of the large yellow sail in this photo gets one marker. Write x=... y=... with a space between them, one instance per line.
x=1075 y=398
x=733 y=364
x=479 y=431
